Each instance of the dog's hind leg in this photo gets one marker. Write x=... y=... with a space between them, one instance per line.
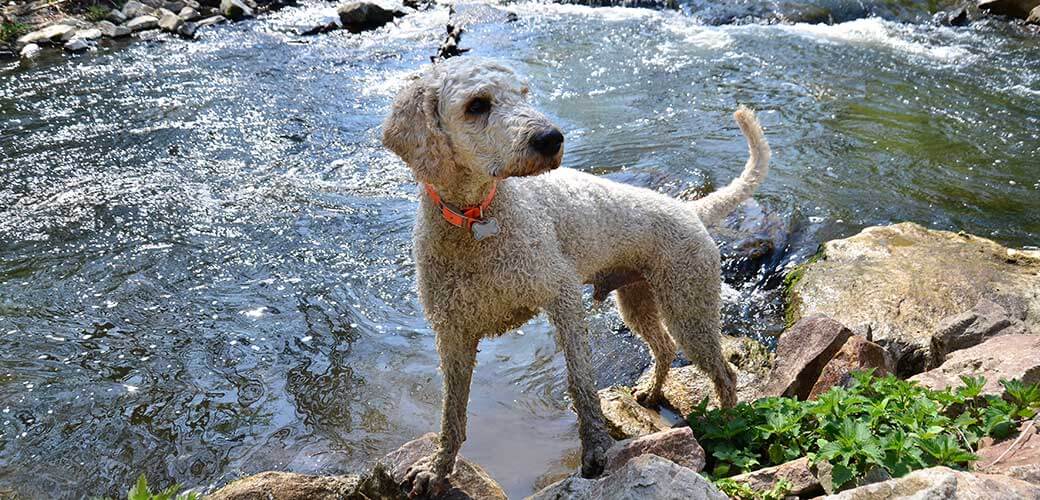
x=640 y=312
x=689 y=295
x=567 y=314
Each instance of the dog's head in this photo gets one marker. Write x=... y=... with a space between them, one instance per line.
x=470 y=116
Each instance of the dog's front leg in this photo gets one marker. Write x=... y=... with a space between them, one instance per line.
x=567 y=314
x=458 y=358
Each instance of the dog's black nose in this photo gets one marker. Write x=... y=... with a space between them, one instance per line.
x=547 y=142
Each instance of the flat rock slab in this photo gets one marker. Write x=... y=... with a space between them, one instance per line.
x=469 y=481
x=797 y=472
x=677 y=445
x=802 y=353
x=961 y=331
x=894 y=284
x=647 y=477
x=946 y=484
x=287 y=486
x=1004 y=357
x=1023 y=457
x=625 y=417
x=857 y=354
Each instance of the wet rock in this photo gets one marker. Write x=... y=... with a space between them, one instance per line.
x=1022 y=461
x=362 y=16
x=188 y=29
x=625 y=417
x=235 y=9
x=188 y=14
x=210 y=21
x=142 y=23
x=894 y=284
x=133 y=9
x=987 y=319
x=642 y=4
x=287 y=486
x=752 y=242
x=857 y=354
x=796 y=472
x=51 y=34
x=468 y=481
x=1004 y=357
x=170 y=22
x=643 y=477
x=115 y=16
x=111 y=30
x=802 y=353
x=1018 y=9
x=944 y=483
x=29 y=51
x=957 y=17
x=77 y=45
x=87 y=34
x=677 y=445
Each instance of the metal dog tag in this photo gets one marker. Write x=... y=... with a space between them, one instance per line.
x=485 y=229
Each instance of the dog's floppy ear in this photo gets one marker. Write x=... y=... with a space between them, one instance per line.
x=413 y=132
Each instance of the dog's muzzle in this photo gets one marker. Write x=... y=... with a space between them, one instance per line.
x=547 y=142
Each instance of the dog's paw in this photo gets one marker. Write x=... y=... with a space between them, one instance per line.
x=594 y=457
x=424 y=480
x=648 y=398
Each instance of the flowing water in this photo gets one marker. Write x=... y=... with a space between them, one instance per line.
x=204 y=250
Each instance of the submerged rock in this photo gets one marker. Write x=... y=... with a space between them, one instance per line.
x=287 y=486
x=802 y=353
x=944 y=483
x=895 y=284
x=678 y=445
x=647 y=477
x=625 y=417
x=1005 y=357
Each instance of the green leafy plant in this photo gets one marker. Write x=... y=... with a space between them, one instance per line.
x=873 y=423
x=96 y=13
x=141 y=491
x=741 y=491
x=9 y=31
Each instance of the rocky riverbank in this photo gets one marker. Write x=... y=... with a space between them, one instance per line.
x=930 y=305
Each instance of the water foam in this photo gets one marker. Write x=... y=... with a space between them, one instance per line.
x=877 y=31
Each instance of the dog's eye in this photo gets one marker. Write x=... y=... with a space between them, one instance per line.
x=478 y=106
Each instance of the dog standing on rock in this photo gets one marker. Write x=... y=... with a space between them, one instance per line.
x=502 y=235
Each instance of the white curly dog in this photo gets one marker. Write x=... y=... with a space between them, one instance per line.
x=501 y=235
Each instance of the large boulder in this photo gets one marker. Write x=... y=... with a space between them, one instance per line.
x=894 y=284
x=1019 y=456
x=796 y=472
x=987 y=319
x=1004 y=357
x=944 y=483
x=677 y=445
x=469 y=481
x=647 y=477
x=686 y=386
x=287 y=486
x=857 y=354
x=801 y=354
x=625 y=417
x=362 y=16
x=1012 y=8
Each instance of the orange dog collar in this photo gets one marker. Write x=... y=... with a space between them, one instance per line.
x=471 y=217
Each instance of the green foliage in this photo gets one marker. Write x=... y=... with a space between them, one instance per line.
x=141 y=491
x=10 y=31
x=741 y=491
x=96 y=13
x=882 y=423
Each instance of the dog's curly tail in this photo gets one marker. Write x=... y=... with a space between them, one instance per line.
x=714 y=207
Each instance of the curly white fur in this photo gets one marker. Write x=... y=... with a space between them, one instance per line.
x=559 y=230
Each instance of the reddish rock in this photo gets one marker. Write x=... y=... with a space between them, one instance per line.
x=944 y=483
x=970 y=328
x=468 y=481
x=677 y=445
x=802 y=353
x=857 y=354
x=1004 y=357
x=1023 y=461
x=796 y=472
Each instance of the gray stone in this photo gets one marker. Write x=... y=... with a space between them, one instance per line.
x=29 y=51
x=116 y=16
x=143 y=23
x=173 y=6
x=235 y=9
x=894 y=284
x=53 y=33
x=363 y=16
x=212 y=20
x=88 y=34
x=946 y=484
x=647 y=477
x=77 y=45
x=468 y=481
x=188 y=29
x=133 y=9
x=677 y=445
x=170 y=22
x=796 y=472
x=625 y=417
x=287 y=486
x=112 y=31
x=987 y=319
x=1004 y=357
x=188 y=14
x=802 y=353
